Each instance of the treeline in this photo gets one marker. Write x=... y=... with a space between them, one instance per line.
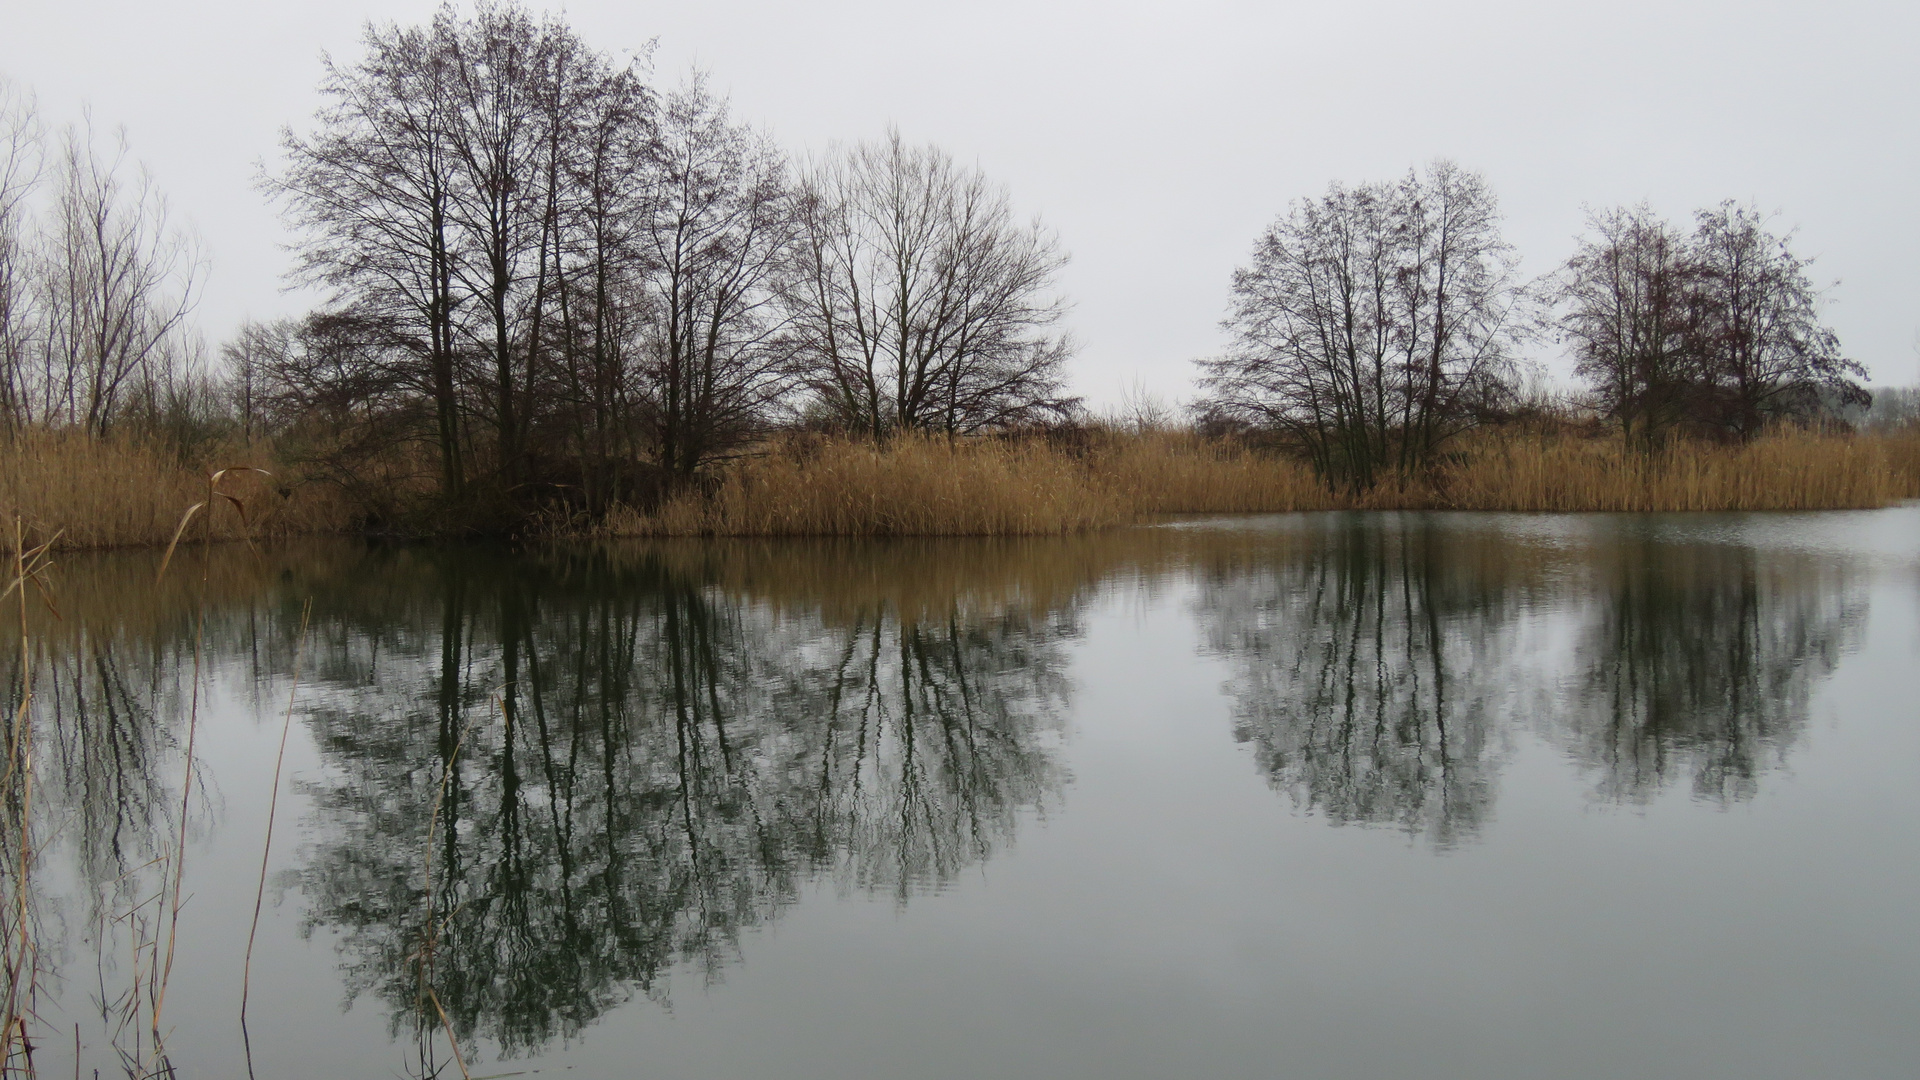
x=549 y=282
x=561 y=278
x=1377 y=322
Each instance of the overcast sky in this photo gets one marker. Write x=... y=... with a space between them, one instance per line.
x=1156 y=139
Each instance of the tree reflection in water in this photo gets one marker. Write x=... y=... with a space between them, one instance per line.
x=663 y=746
x=1700 y=659
x=1381 y=663
x=647 y=766
x=1367 y=669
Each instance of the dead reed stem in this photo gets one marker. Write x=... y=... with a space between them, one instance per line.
x=266 y=847
x=207 y=508
x=30 y=567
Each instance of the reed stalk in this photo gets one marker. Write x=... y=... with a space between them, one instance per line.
x=266 y=846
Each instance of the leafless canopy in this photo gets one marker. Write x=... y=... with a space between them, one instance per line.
x=918 y=300
x=1719 y=329
x=95 y=281
x=1373 y=324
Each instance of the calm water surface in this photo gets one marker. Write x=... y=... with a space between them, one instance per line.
x=1368 y=795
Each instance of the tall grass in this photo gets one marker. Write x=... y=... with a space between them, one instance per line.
x=1178 y=472
x=116 y=492
x=928 y=486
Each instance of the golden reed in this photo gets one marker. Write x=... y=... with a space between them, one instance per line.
x=927 y=486
x=99 y=493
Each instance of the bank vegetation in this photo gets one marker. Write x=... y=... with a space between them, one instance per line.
x=561 y=298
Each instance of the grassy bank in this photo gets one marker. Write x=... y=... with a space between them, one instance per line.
x=820 y=486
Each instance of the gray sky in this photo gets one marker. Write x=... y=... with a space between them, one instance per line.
x=1156 y=138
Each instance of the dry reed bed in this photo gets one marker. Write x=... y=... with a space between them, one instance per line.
x=114 y=493
x=1790 y=470
x=919 y=486
x=908 y=487
x=101 y=493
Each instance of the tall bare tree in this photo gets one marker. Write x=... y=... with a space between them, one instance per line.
x=442 y=193
x=918 y=300
x=116 y=281
x=370 y=195
x=1633 y=316
x=718 y=229
x=601 y=158
x=503 y=72
x=20 y=169
x=1374 y=323
x=1719 y=329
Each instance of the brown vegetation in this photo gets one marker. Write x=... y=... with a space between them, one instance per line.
x=115 y=492
x=930 y=486
x=118 y=492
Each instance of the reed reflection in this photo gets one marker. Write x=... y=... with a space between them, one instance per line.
x=646 y=765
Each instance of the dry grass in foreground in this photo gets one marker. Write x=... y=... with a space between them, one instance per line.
x=926 y=486
x=99 y=493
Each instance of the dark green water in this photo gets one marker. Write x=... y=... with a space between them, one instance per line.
x=1316 y=796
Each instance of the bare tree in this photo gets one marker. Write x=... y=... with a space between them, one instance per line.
x=503 y=72
x=1633 y=316
x=717 y=232
x=1720 y=329
x=370 y=194
x=918 y=300
x=1768 y=353
x=252 y=353
x=116 y=282
x=1373 y=324
x=442 y=193
x=602 y=158
x=20 y=168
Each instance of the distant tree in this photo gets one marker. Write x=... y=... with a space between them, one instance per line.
x=1719 y=329
x=116 y=282
x=1767 y=352
x=918 y=300
x=1373 y=324
x=20 y=170
x=247 y=357
x=1633 y=314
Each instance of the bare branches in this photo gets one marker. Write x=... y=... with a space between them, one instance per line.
x=1374 y=323
x=918 y=300
x=597 y=288
x=95 y=287
x=1719 y=329
x=717 y=233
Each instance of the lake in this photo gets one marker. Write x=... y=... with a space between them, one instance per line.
x=1325 y=795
